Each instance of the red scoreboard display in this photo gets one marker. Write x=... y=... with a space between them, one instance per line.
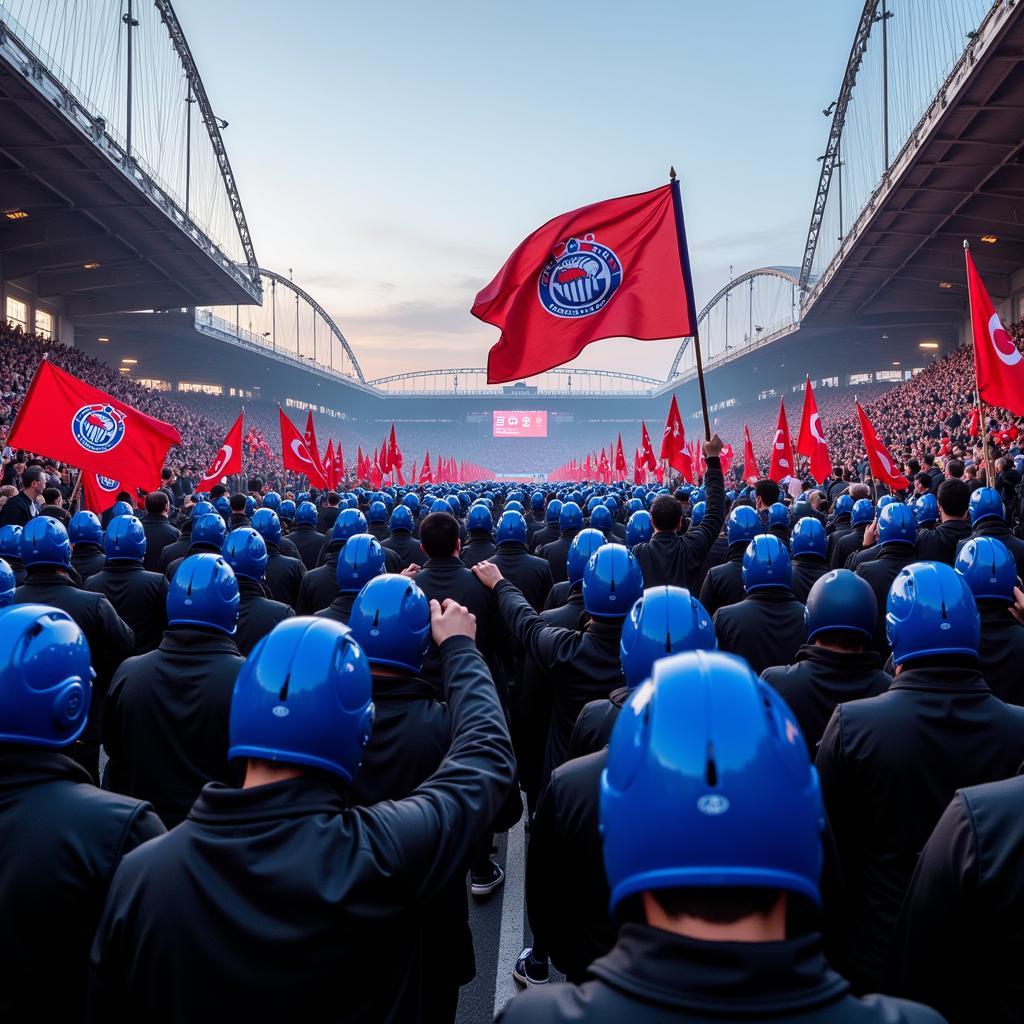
x=520 y=423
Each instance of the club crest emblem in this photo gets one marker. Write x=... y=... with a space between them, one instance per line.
x=98 y=428
x=580 y=278
x=106 y=484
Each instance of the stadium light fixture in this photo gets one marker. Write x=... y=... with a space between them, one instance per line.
x=896 y=362
x=128 y=361
x=124 y=369
x=928 y=346
x=16 y=214
x=990 y=239
x=103 y=340
x=92 y=265
x=946 y=285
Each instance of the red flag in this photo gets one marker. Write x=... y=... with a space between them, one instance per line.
x=394 y=452
x=811 y=441
x=673 y=442
x=587 y=469
x=603 y=471
x=617 y=268
x=621 y=466
x=781 y=464
x=751 y=473
x=328 y=462
x=311 y=446
x=426 y=474
x=998 y=363
x=228 y=460
x=883 y=467
x=646 y=448
x=99 y=492
x=727 y=457
x=659 y=475
x=338 y=476
x=413 y=479
x=67 y=419
x=638 y=467
x=974 y=430
x=296 y=453
x=360 y=463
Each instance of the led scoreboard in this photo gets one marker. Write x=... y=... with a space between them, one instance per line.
x=520 y=423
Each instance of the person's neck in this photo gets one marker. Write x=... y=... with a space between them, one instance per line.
x=263 y=773
x=944 y=518
x=768 y=927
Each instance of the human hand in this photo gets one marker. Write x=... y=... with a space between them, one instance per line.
x=1017 y=608
x=488 y=574
x=871 y=534
x=714 y=446
x=451 y=619
x=409 y=572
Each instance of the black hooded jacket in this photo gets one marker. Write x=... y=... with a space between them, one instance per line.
x=138 y=596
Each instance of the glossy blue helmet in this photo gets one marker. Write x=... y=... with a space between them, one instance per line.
x=266 y=523
x=841 y=600
x=553 y=512
x=202 y=508
x=985 y=503
x=809 y=538
x=896 y=525
x=886 y=499
x=287 y=510
x=601 y=518
x=863 y=512
x=708 y=784
x=250 y=505
x=570 y=517
x=664 y=621
x=989 y=569
x=583 y=545
x=697 y=513
x=931 y=611
x=412 y=502
x=537 y=501
x=246 y=552
x=349 y=522
x=766 y=564
x=440 y=505
x=222 y=505
x=511 y=527
x=85 y=528
x=121 y=508
x=778 y=514
x=391 y=621
x=843 y=505
x=302 y=496
x=204 y=592
x=612 y=581
x=743 y=526
x=378 y=512
x=306 y=513
x=514 y=506
x=272 y=500
x=926 y=509
x=401 y=519
x=304 y=696
x=45 y=677
x=639 y=528
x=8 y=584
x=209 y=529
x=801 y=509
x=10 y=541
x=125 y=540
x=359 y=561
x=479 y=518
x=634 y=505
x=592 y=503
x=44 y=541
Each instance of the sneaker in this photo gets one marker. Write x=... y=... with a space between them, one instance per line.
x=528 y=971
x=485 y=884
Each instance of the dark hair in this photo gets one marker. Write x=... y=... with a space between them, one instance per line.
x=954 y=468
x=255 y=484
x=954 y=497
x=166 y=473
x=30 y=475
x=924 y=479
x=237 y=502
x=217 y=491
x=439 y=535
x=913 y=467
x=125 y=496
x=844 y=639
x=156 y=503
x=768 y=491
x=725 y=905
x=666 y=512
x=929 y=459
x=51 y=495
x=333 y=497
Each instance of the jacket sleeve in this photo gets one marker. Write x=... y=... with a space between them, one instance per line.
x=698 y=541
x=545 y=877
x=707 y=594
x=143 y=826
x=435 y=831
x=118 y=638
x=544 y=643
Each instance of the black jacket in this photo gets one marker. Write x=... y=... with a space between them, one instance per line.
x=18 y=510
x=165 y=724
x=307 y=542
x=316 y=902
x=940 y=544
x=879 y=573
x=319 y=587
x=819 y=680
x=556 y=554
x=379 y=531
x=836 y=530
x=407 y=547
x=593 y=728
x=998 y=529
x=565 y=607
x=724 y=583
x=557 y=595
x=545 y=535
x=1001 y=652
x=257 y=615
x=528 y=573
x=176 y=549
x=479 y=548
x=767 y=628
x=958 y=943
x=717 y=554
x=655 y=977
x=807 y=570
x=18 y=568
x=139 y=597
x=284 y=575
x=889 y=766
x=87 y=559
x=238 y=520
x=60 y=840
x=846 y=545
x=340 y=609
x=325 y=518
x=159 y=533
x=198 y=548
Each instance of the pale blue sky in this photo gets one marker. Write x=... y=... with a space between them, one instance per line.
x=395 y=153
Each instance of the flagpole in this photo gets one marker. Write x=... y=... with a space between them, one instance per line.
x=684 y=259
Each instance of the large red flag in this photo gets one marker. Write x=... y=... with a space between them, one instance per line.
x=603 y=469
x=228 y=460
x=426 y=474
x=99 y=492
x=673 y=442
x=883 y=466
x=646 y=448
x=998 y=363
x=617 y=268
x=65 y=418
x=296 y=454
x=751 y=472
x=338 y=476
x=781 y=465
x=311 y=445
x=638 y=467
x=727 y=456
x=621 y=466
x=394 y=452
x=328 y=463
x=811 y=441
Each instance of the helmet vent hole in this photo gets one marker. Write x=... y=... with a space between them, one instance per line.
x=710 y=768
x=668 y=642
x=283 y=695
x=376 y=618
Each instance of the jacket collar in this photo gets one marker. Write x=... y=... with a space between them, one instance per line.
x=195 y=639
x=771 y=595
x=220 y=805
x=445 y=562
x=44 y=576
x=23 y=765
x=946 y=680
x=855 y=662
x=123 y=566
x=250 y=587
x=402 y=687
x=605 y=629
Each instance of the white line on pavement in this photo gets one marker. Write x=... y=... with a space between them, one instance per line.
x=512 y=909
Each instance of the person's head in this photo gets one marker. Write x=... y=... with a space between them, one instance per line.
x=333 y=499
x=157 y=503
x=53 y=496
x=238 y=502
x=913 y=467
x=639 y=528
x=479 y=520
x=33 y=482
x=841 y=612
x=168 y=476
x=858 y=491
x=837 y=472
x=766 y=565
x=204 y=594
x=766 y=493
x=8 y=584
x=666 y=514
x=217 y=491
x=439 y=535
x=246 y=552
x=511 y=528
x=809 y=538
x=1002 y=465
x=45 y=545
x=928 y=460
x=922 y=483
x=989 y=569
x=390 y=620
x=359 y=561
x=124 y=540
x=953 y=499
x=985 y=504
x=743 y=525
x=350 y=521
x=209 y=531
x=85 y=528
x=954 y=469
x=612 y=582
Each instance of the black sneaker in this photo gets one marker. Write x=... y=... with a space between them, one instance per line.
x=485 y=884
x=528 y=971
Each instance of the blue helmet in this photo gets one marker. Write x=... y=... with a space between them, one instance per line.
x=743 y=526
x=266 y=523
x=440 y=505
x=697 y=513
x=843 y=506
x=272 y=500
x=639 y=528
x=537 y=501
x=401 y=519
x=634 y=505
x=302 y=496
x=412 y=502
x=479 y=518
x=863 y=512
x=378 y=512
x=306 y=513
x=246 y=552
x=209 y=529
x=989 y=569
x=926 y=509
x=359 y=561
x=886 y=499
x=45 y=677
x=841 y=600
x=202 y=508
x=222 y=505
x=664 y=621
x=553 y=512
x=583 y=545
x=250 y=505
x=511 y=527
x=570 y=517
x=121 y=508
x=44 y=541
x=612 y=581
x=601 y=518
x=10 y=541
x=930 y=611
x=204 y=592
x=593 y=502
x=391 y=621
x=896 y=525
x=708 y=783
x=287 y=510
x=778 y=515
x=85 y=528
x=514 y=506
x=985 y=503
x=766 y=564
x=349 y=522
x=125 y=540
x=801 y=510
x=304 y=696
x=809 y=538
x=8 y=584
